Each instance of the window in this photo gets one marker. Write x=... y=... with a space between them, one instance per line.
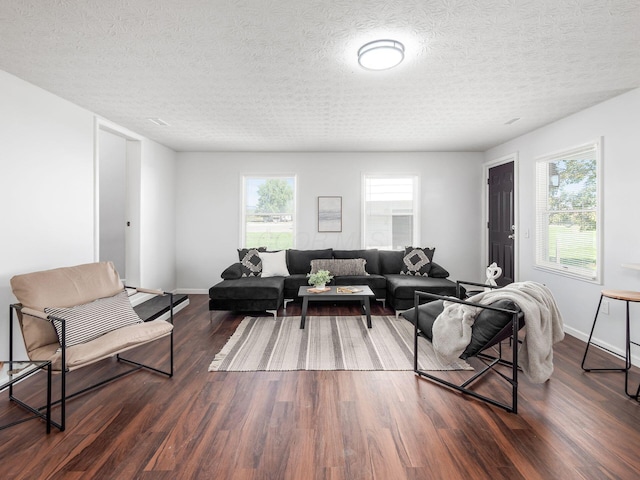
x=268 y=213
x=568 y=212
x=390 y=206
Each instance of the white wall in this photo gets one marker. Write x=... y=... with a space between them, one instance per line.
x=618 y=122
x=208 y=205
x=158 y=217
x=46 y=150
x=112 y=166
x=47 y=188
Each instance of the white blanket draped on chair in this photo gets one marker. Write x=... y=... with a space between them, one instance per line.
x=543 y=326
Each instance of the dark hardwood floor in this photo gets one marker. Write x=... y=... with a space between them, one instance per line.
x=322 y=425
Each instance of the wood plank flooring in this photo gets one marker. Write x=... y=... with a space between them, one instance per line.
x=322 y=425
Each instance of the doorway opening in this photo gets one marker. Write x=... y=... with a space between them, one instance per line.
x=117 y=187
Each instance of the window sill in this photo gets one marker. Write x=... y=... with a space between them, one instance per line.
x=576 y=276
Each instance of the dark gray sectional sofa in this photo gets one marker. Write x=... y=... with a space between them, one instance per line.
x=253 y=294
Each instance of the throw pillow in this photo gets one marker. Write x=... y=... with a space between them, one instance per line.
x=250 y=263
x=340 y=267
x=371 y=255
x=487 y=325
x=274 y=264
x=232 y=272
x=438 y=271
x=89 y=321
x=425 y=315
x=417 y=261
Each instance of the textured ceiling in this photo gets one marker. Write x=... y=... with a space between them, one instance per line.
x=282 y=75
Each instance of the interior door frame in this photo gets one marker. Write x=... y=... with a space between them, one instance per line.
x=133 y=169
x=512 y=157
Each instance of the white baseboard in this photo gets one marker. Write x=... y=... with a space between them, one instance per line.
x=635 y=359
x=193 y=291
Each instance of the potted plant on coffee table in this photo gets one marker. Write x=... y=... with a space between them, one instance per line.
x=320 y=278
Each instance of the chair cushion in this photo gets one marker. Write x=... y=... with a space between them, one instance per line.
x=487 y=324
x=427 y=314
x=249 y=288
x=105 y=346
x=67 y=286
x=60 y=287
x=86 y=322
x=390 y=261
x=299 y=261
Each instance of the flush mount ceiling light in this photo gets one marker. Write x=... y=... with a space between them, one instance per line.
x=380 y=54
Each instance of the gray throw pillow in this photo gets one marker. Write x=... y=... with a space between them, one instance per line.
x=340 y=267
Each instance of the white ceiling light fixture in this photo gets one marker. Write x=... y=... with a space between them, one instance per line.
x=381 y=54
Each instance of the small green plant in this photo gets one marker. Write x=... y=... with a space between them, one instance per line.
x=321 y=277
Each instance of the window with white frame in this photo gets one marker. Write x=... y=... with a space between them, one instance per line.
x=390 y=211
x=568 y=213
x=268 y=212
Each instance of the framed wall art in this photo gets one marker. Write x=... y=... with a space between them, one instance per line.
x=329 y=214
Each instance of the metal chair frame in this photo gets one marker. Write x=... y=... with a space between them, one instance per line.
x=510 y=331
x=626 y=357
x=65 y=371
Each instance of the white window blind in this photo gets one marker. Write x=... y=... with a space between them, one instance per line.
x=390 y=219
x=568 y=220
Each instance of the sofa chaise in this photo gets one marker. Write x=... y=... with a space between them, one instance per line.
x=253 y=284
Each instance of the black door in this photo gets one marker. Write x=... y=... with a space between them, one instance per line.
x=501 y=221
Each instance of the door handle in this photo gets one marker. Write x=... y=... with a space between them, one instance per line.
x=512 y=236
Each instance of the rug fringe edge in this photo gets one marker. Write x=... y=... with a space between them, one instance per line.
x=215 y=365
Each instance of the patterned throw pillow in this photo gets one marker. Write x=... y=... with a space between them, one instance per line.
x=417 y=261
x=250 y=262
x=87 y=322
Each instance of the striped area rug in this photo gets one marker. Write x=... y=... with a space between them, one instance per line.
x=326 y=343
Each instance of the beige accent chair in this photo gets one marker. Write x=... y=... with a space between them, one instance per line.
x=70 y=287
